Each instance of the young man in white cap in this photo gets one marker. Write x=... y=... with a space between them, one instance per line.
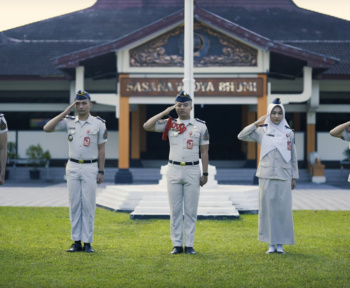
x=87 y=136
x=3 y=148
x=187 y=137
x=277 y=172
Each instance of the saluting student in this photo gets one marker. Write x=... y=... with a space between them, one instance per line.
x=342 y=131
x=86 y=138
x=3 y=147
x=277 y=172
x=187 y=136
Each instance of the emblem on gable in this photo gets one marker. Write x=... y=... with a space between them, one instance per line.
x=211 y=48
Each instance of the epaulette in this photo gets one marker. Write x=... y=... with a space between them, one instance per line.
x=199 y=120
x=2 y=115
x=70 y=117
x=263 y=125
x=99 y=118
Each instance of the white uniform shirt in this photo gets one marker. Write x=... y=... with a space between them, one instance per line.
x=272 y=165
x=3 y=124
x=346 y=137
x=185 y=147
x=83 y=139
x=346 y=134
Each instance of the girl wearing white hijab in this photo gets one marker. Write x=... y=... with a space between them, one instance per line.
x=277 y=172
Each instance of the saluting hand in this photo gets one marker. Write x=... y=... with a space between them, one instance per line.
x=169 y=109
x=69 y=108
x=261 y=120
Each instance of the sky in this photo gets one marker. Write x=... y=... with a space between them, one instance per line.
x=15 y=13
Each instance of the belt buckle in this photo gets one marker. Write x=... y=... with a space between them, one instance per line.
x=81 y=161
x=183 y=163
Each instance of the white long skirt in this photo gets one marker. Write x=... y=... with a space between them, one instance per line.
x=275 y=212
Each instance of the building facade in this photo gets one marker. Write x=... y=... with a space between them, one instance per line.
x=129 y=56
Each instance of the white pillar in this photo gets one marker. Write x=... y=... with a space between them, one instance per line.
x=72 y=91
x=188 y=80
x=79 y=78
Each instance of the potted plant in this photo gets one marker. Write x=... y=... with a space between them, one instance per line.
x=37 y=157
x=11 y=155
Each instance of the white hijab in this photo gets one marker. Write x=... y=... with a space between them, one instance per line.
x=279 y=134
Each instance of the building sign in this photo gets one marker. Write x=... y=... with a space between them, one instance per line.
x=203 y=86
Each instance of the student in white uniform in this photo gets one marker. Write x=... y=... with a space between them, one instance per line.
x=3 y=148
x=277 y=172
x=342 y=131
x=187 y=136
x=87 y=136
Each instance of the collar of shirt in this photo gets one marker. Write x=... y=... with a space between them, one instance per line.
x=192 y=121
x=88 y=120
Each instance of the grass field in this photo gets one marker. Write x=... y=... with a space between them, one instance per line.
x=136 y=253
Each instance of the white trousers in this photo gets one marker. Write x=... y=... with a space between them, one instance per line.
x=183 y=193
x=82 y=185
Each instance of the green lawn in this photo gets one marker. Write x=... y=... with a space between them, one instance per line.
x=136 y=253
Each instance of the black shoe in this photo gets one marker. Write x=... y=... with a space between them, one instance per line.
x=189 y=250
x=177 y=250
x=87 y=248
x=76 y=247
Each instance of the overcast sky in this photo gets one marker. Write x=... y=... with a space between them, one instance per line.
x=14 y=13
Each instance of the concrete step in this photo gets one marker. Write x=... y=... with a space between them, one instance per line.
x=127 y=197
x=201 y=198
x=157 y=204
x=203 y=212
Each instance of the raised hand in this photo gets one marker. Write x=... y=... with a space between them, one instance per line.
x=69 y=108
x=261 y=120
x=169 y=109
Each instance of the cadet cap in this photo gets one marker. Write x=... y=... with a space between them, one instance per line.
x=183 y=97
x=82 y=95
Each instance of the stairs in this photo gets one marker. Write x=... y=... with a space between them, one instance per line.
x=209 y=207
x=151 y=201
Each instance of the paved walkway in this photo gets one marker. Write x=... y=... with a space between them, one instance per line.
x=307 y=196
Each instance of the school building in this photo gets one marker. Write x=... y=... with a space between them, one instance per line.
x=129 y=55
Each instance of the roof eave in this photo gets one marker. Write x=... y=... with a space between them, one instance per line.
x=313 y=59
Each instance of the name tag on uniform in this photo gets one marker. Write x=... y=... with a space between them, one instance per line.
x=189 y=144
x=86 y=141
x=289 y=145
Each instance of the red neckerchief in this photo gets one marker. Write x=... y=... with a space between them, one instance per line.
x=170 y=124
